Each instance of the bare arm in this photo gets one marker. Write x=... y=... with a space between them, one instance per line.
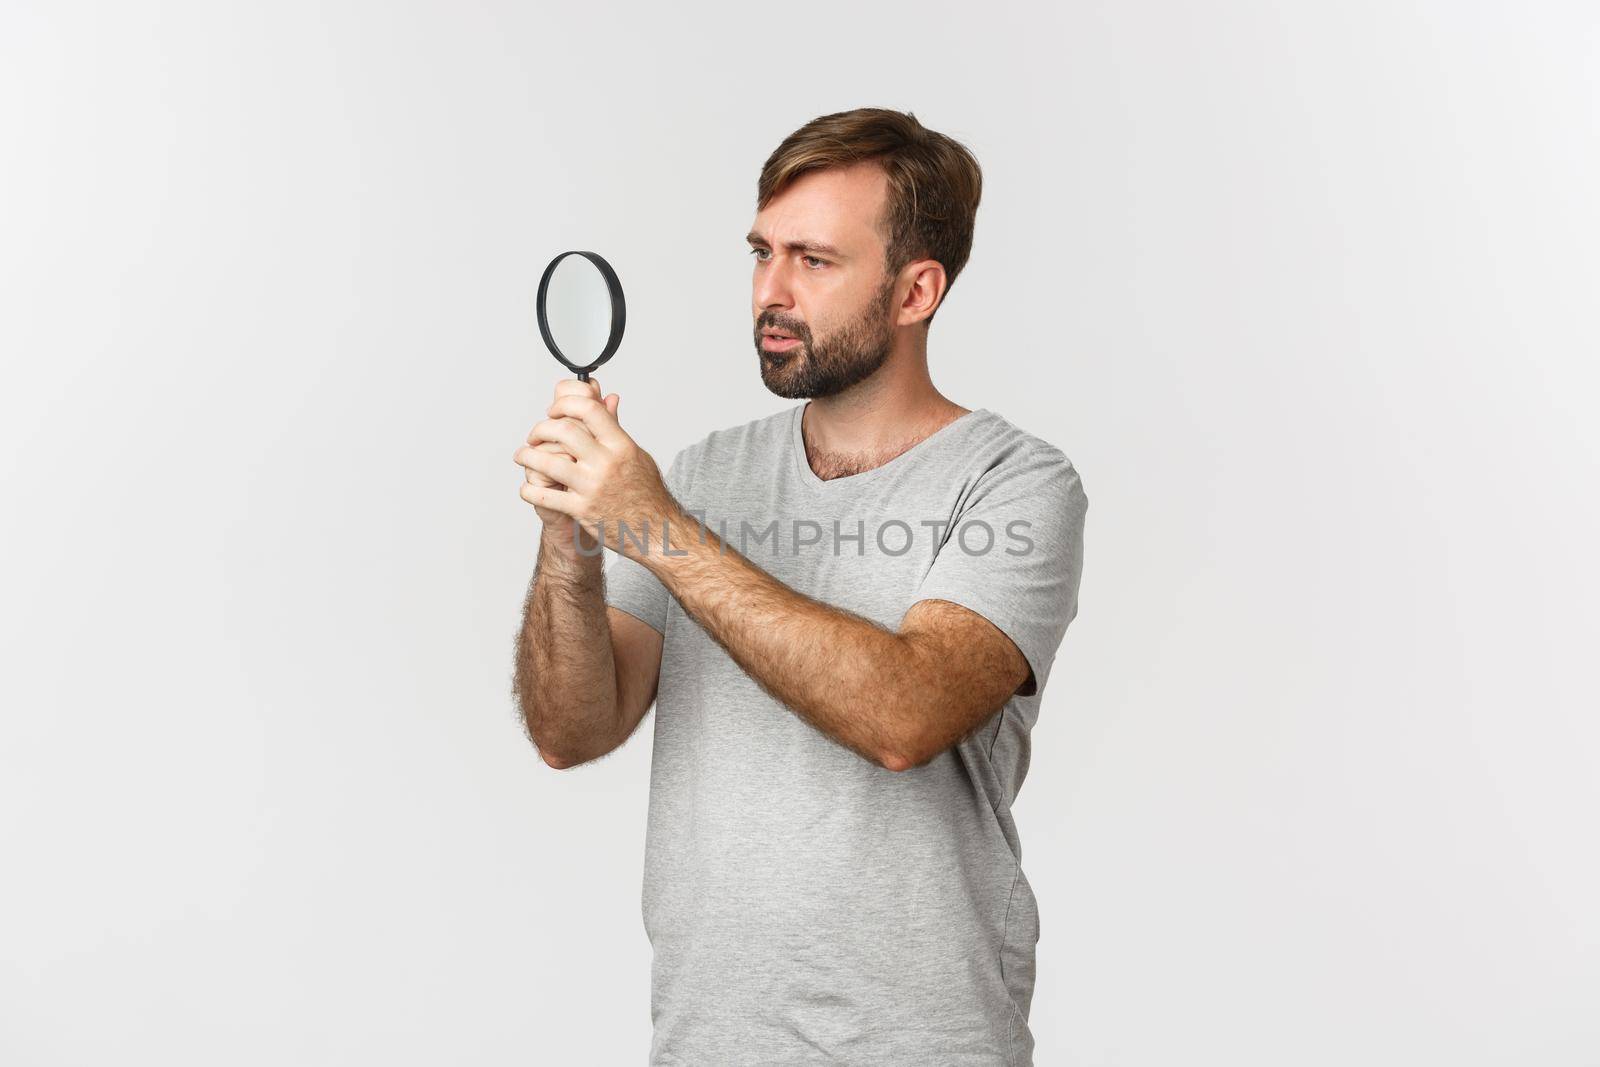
x=895 y=697
x=584 y=673
x=565 y=677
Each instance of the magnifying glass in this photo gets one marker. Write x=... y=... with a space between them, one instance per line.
x=577 y=302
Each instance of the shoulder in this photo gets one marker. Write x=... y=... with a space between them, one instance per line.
x=1011 y=455
x=736 y=439
x=723 y=447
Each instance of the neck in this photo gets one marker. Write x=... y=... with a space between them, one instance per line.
x=876 y=420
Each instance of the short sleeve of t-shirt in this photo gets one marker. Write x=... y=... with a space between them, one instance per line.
x=629 y=584
x=1026 y=582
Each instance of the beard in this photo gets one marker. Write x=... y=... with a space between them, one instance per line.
x=827 y=367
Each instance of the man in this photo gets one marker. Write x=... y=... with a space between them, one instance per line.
x=845 y=665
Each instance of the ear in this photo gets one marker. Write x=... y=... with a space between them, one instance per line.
x=927 y=286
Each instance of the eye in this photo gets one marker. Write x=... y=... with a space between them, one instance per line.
x=820 y=263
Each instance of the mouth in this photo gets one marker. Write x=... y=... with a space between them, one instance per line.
x=778 y=342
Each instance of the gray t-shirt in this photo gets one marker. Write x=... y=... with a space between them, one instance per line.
x=804 y=905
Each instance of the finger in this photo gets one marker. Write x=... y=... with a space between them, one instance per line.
x=554 y=499
x=612 y=402
x=594 y=415
x=551 y=448
x=569 y=434
x=573 y=387
x=553 y=465
x=543 y=446
x=554 y=449
x=557 y=468
x=536 y=478
x=533 y=477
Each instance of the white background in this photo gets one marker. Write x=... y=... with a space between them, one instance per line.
x=1306 y=291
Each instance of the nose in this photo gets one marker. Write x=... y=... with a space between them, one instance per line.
x=771 y=286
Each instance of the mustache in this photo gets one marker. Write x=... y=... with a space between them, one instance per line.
x=797 y=329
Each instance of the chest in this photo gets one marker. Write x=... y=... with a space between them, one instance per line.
x=863 y=551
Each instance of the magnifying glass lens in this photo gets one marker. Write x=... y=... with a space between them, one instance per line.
x=581 y=311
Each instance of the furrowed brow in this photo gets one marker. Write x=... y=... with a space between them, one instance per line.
x=809 y=247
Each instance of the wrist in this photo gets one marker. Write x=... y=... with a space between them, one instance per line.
x=568 y=550
x=674 y=538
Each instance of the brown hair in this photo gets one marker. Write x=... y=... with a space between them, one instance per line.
x=934 y=181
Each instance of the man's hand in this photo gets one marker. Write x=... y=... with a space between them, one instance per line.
x=582 y=465
x=556 y=525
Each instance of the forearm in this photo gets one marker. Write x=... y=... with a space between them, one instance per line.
x=849 y=677
x=565 y=674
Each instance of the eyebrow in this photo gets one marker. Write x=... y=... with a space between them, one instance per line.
x=805 y=245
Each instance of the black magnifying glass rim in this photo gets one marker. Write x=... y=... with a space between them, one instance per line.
x=619 y=312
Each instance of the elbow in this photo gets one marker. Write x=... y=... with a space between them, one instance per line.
x=561 y=758
x=907 y=755
x=554 y=761
x=543 y=739
x=905 y=760
x=549 y=756
x=910 y=742
x=894 y=761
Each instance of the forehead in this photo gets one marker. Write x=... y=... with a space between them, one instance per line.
x=839 y=205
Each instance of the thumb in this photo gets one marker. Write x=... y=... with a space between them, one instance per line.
x=613 y=402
